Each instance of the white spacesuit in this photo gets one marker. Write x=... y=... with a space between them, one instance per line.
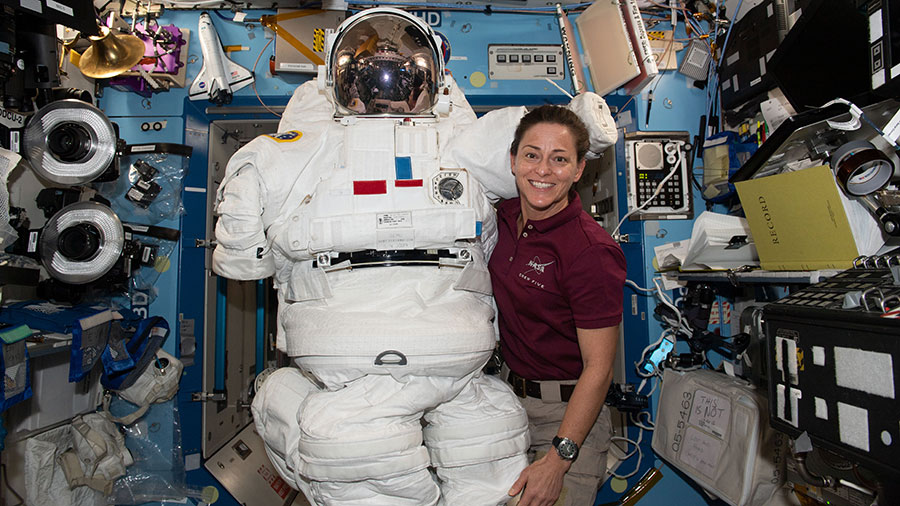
x=372 y=210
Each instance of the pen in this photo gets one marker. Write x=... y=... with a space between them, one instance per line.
x=649 y=105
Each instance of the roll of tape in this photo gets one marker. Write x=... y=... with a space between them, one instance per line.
x=861 y=168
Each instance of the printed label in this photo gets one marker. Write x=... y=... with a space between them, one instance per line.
x=65 y=9
x=11 y=119
x=394 y=220
x=401 y=238
x=32 y=241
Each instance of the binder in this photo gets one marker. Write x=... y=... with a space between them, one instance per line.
x=799 y=221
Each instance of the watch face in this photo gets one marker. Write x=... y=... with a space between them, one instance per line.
x=566 y=448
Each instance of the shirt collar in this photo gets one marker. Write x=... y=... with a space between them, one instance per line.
x=513 y=208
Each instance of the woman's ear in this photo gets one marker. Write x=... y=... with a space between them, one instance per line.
x=512 y=163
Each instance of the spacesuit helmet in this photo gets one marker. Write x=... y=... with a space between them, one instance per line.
x=385 y=61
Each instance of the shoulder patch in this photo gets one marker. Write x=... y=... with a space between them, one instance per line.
x=289 y=136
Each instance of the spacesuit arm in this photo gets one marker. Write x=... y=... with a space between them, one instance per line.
x=242 y=251
x=595 y=114
x=483 y=148
x=307 y=104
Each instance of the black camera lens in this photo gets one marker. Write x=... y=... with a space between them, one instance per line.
x=69 y=142
x=80 y=242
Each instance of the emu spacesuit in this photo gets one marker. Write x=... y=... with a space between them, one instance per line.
x=370 y=209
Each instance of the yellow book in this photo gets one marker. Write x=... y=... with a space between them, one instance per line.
x=798 y=221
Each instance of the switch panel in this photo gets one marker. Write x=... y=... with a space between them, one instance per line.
x=522 y=61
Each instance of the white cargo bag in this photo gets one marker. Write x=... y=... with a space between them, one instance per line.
x=715 y=428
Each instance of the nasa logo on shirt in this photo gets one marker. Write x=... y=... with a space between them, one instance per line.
x=289 y=136
x=535 y=271
x=537 y=266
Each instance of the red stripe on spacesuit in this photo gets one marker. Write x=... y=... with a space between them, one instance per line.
x=403 y=183
x=369 y=187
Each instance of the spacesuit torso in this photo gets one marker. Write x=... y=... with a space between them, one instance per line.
x=382 y=194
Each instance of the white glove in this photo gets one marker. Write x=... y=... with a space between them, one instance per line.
x=594 y=112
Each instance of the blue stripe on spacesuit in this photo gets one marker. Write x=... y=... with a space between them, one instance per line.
x=403 y=167
x=477 y=228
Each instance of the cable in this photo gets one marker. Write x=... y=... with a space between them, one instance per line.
x=253 y=70
x=659 y=189
x=640 y=424
x=621 y=109
x=566 y=93
x=639 y=288
x=637 y=448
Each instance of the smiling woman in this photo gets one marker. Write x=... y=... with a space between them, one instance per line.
x=546 y=167
x=558 y=280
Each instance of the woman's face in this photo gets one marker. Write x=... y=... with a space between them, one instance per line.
x=545 y=168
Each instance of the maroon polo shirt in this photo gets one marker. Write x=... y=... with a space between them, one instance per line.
x=563 y=272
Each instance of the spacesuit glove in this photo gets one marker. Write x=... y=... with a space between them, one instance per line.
x=595 y=114
x=542 y=481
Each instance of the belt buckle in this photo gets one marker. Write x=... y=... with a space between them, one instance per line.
x=519 y=385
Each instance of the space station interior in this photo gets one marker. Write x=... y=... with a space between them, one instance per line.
x=277 y=253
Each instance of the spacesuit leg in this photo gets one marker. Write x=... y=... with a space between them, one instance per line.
x=362 y=444
x=359 y=445
x=274 y=411
x=478 y=443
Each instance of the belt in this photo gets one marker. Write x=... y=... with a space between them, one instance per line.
x=530 y=388
x=373 y=258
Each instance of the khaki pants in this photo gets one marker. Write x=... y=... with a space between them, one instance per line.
x=589 y=469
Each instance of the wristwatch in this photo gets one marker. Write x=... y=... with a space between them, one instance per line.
x=566 y=448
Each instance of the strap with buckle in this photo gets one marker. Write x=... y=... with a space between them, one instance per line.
x=377 y=258
x=530 y=388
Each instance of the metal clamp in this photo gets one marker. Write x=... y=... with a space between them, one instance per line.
x=203 y=243
x=866 y=293
x=208 y=397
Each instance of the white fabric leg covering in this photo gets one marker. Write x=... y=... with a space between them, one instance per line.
x=415 y=489
x=484 y=484
x=361 y=444
x=369 y=429
x=478 y=443
x=275 y=413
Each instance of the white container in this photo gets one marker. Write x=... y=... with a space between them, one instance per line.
x=715 y=429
